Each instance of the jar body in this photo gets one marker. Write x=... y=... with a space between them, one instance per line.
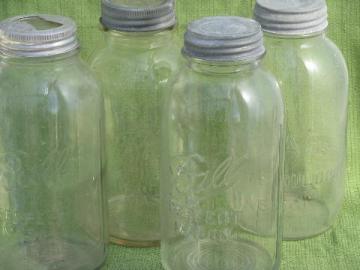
x=220 y=192
x=134 y=69
x=314 y=81
x=51 y=201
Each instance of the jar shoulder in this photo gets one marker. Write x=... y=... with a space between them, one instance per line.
x=71 y=75
x=132 y=68
x=109 y=54
x=314 y=57
x=250 y=79
x=257 y=89
x=338 y=58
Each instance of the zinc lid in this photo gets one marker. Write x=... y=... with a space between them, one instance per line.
x=138 y=15
x=292 y=17
x=37 y=35
x=224 y=38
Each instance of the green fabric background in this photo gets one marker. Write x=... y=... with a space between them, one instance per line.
x=338 y=249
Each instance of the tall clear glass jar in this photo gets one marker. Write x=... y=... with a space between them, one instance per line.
x=51 y=201
x=221 y=155
x=313 y=77
x=134 y=67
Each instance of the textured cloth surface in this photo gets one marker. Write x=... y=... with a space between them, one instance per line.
x=338 y=249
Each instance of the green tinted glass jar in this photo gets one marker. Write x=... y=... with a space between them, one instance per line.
x=51 y=201
x=221 y=153
x=313 y=77
x=134 y=67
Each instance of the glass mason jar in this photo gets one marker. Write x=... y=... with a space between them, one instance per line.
x=221 y=155
x=51 y=201
x=313 y=77
x=134 y=67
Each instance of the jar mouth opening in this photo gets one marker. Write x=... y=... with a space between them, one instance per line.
x=13 y=57
x=222 y=62
x=150 y=29
x=104 y=28
x=294 y=36
x=142 y=40
x=9 y=53
x=221 y=68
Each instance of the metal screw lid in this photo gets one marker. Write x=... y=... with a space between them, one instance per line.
x=292 y=17
x=138 y=15
x=37 y=36
x=224 y=39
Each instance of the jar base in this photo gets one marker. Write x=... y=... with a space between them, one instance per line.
x=304 y=217
x=134 y=221
x=305 y=237
x=215 y=255
x=132 y=243
x=57 y=254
